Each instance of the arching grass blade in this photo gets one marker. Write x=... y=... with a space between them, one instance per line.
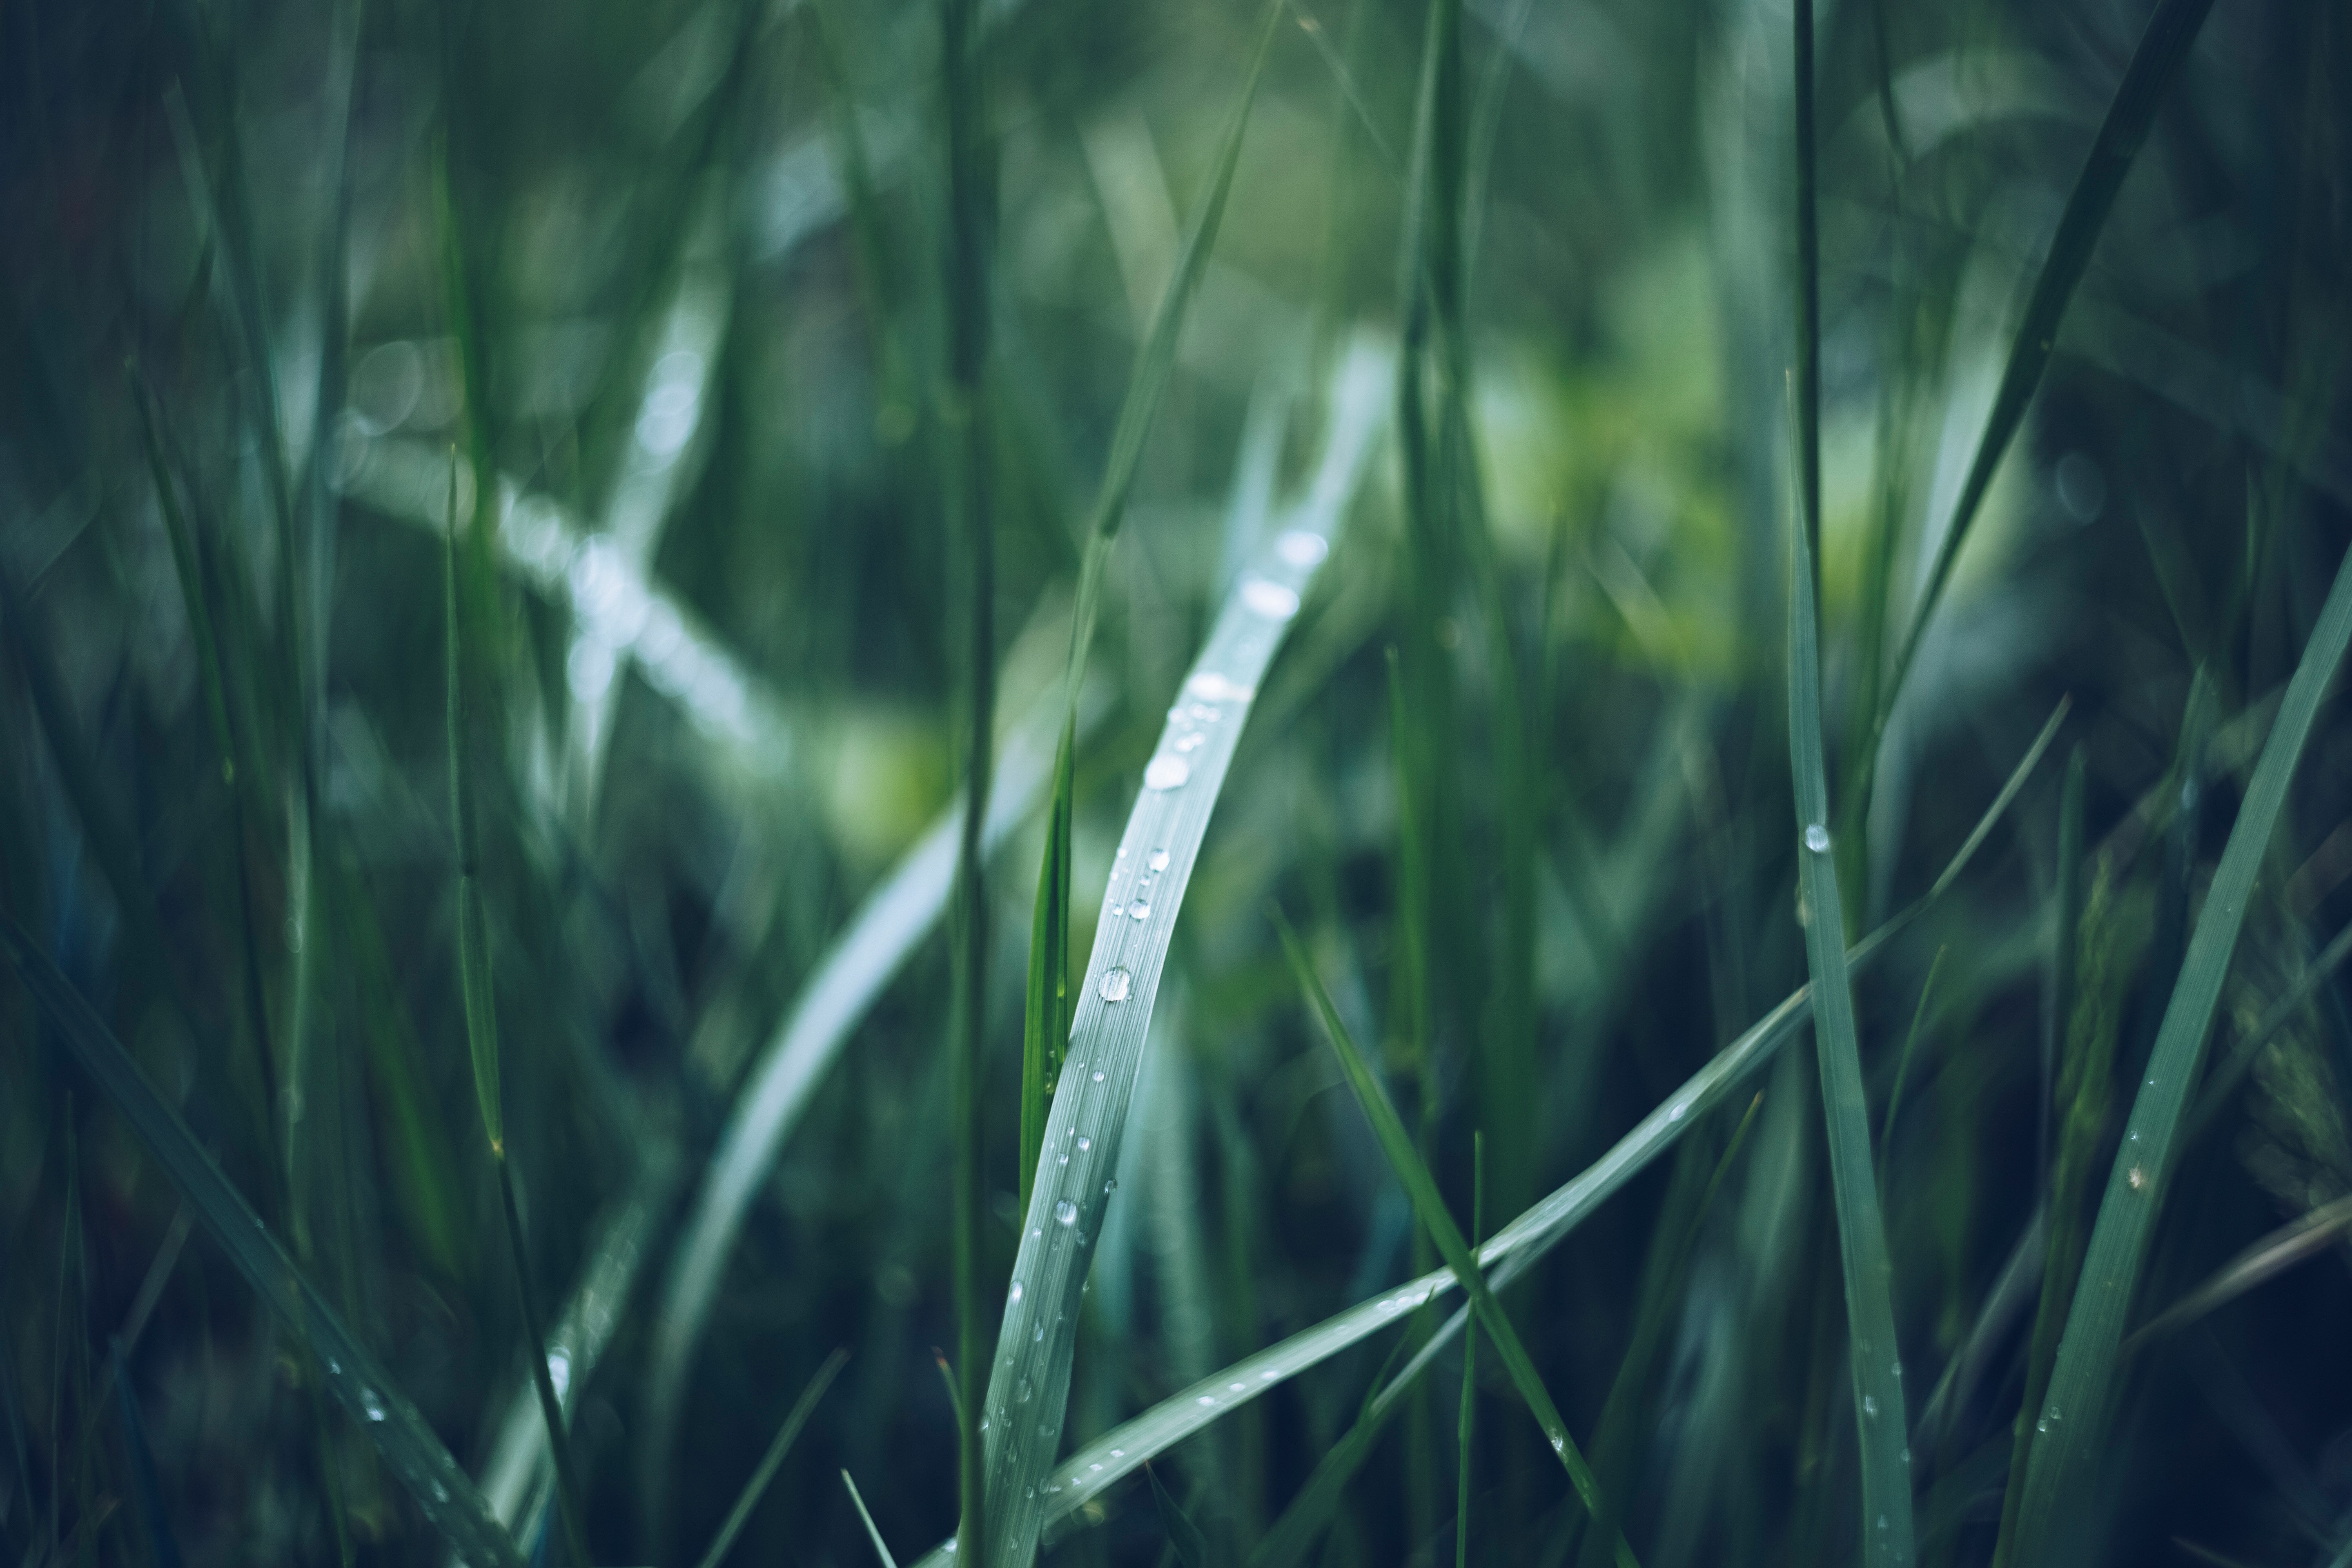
x=757 y=1487
x=402 y=1438
x=2081 y=1384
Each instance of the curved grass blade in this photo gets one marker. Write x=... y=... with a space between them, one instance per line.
x=2274 y=1254
x=2163 y=46
x=757 y=1487
x=1030 y=1377
x=2080 y=1384
x=402 y=1438
x=1087 y=1474
x=1046 y=1012
x=2282 y=1012
x=1430 y=1205
x=1880 y=1423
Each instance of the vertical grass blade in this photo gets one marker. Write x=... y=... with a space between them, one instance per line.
x=1046 y=1010
x=1430 y=1205
x=2065 y=1457
x=1809 y=297
x=1030 y=1375
x=401 y=1437
x=1881 y=1424
x=1466 y=1428
x=971 y=218
x=757 y=1487
x=2163 y=48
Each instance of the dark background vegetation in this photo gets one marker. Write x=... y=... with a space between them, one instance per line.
x=488 y=263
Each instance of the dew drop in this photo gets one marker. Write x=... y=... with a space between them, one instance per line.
x=371 y=1404
x=1817 y=838
x=1061 y=1159
x=1271 y=600
x=1118 y=1453
x=1191 y=740
x=1099 y=1077
x=1020 y=1394
x=1239 y=1386
x=1017 y=1292
x=1869 y=1406
x=1039 y=1337
x=2042 y=1425
x=1084 y=1144
x=1111 y=1186
x=1302 y=549
x=1558 y=1444
x=1676 y=1113
x=1140 y=909
x=1215 y=688
x=1167 y=772
x=1066 y=1212
x=1113 y=987
x=1208 y=1399
x=1159 y=861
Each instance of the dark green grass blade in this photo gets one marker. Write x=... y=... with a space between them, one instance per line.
x=2282 y=1012
x=2065 y=1459
x=1910 y=1044
x=2163 y=46
x=1405 y=1161
x=2282 y=1250
x=400 y=1437
x=1466 y=1430
x=1880 y=1421
x=1046 y=1019
x=1184 y=1537
x=1808 y=298
x=757 y=1487
x=473 y=939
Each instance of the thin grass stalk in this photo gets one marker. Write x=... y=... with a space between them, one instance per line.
x=1430 y=1206
x=1046 y=1004
x=1880 y=1421
x=873 y=1532
x=2163 y=48
x=1466 y=1430
x=1516 y=1247
x=757 y=1487
x=971 y=201
x=2063 y=1462
x=1808 y=300
x=478 y=985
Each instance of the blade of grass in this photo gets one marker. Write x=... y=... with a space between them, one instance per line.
x=401 y=1437
x=479 y=990
x=1516 y=1246
x=1397 y=1144
x=2282 y=1250
x=1046 y=1010
x=1466 y=1430
x=1808 y=300
x=872 y=1533
x=2156 y=61
x=2080 y=1384
x=1881 y=1424
x=1910 y=1042
x=2282 y=1012
x=757 y=1487
x=1115 y=1000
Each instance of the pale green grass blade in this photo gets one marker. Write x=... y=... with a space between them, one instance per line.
x=2164 y=46
x=757 y=1487
x=1029 y=1380
x=2065 y=1459
x=1430 y=1205
x=401 y=1437
x=2280 y=1250
x=1881 y=1424
x=872 y=1533
x=1118 y=1453
x=1046 y=1010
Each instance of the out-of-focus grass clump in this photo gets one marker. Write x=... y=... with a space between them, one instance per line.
x=1484 y=541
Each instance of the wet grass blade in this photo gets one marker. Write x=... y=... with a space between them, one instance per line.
x=2081 y=1383
x=1088 y=1123
x=1046 y=1010
x=757 y=1487
x=1516 y=1246
x=872 y=1533
x=1881 y=1424
x=401 y=1437
x=2163 y=48
x=1405 y=1161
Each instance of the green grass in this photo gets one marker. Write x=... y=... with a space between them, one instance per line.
x=1326 y=455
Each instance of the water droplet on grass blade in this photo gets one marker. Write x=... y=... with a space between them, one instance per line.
x=1271 y=600
x=1817 y=838
x=1159 y=859
x=1300 y=548
x=1066 y=1212
x=1141 y=909
x=1016 y=1292
x=1114 y=988
x=1167 y=772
